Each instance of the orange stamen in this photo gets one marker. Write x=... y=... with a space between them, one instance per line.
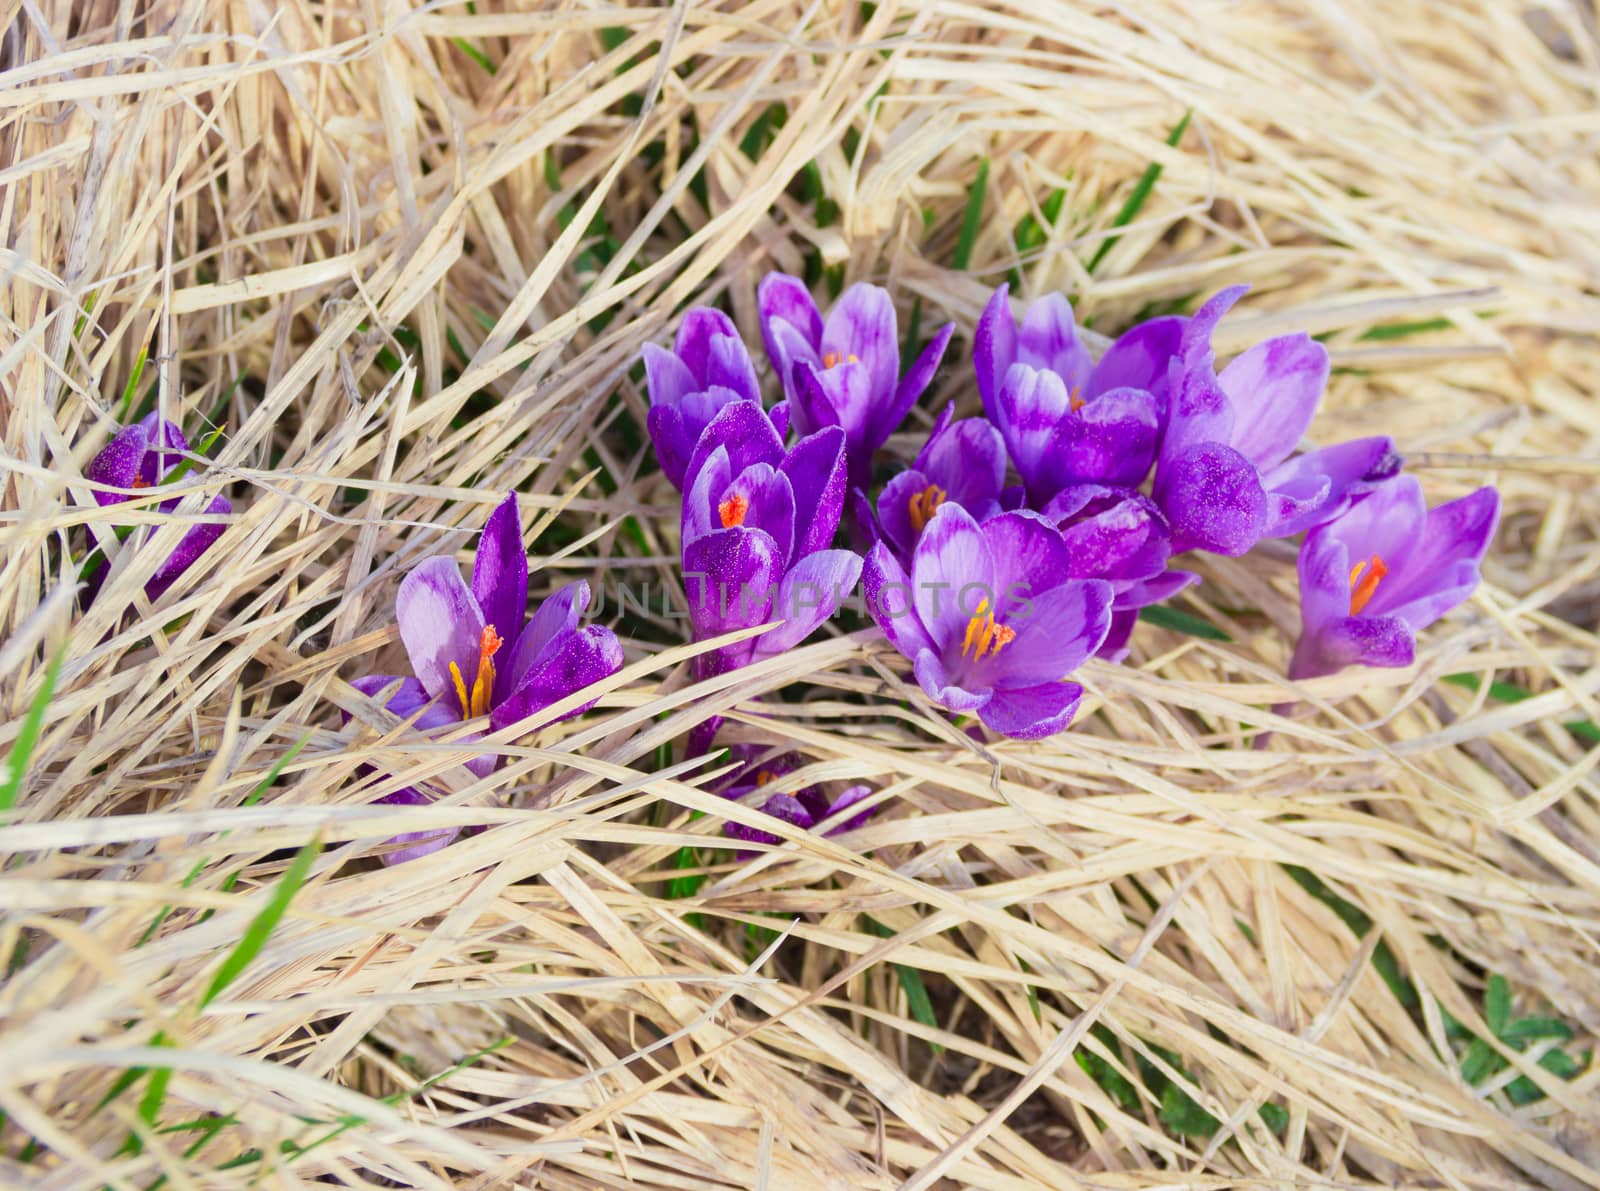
x=924 y=505
x=1362 y=587
x=1075 y=400
x=733 y=510
x=477 y=703
x=834 y=359
x=140 y=482
x=984 y=636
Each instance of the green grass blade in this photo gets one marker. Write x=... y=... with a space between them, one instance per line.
x=973 y=219
x=261 y=927
x=1164 y=617
x=129 y=391
x=917 y=999
x=1140 y=195
x=16 y=763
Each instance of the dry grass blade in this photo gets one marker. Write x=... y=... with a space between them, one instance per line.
x=402 y=258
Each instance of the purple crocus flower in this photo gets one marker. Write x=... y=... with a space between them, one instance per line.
x=757 y=523
x=473 y=656
x=962 y=462
x=1119 y=535
x=1065 y=419
x=804 y=808
x=1225 y=478
x=141 y=456
x=707 y=368
x=844 y=370
x=991 y=618
x=1375 y=576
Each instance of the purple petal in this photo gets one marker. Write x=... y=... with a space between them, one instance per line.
x=937 y=683
x=994 y=350
x=894 y=512
x=1139 y=358
x=779 y=806
x=795 y=353
x=190 y=547
x=808 y=595
x=952 y=569
x=117 y=463
x=769 y=505
x=415 y=844
x=166 y=447
x=748 y=434
x=731 y=579
x=440 y=623
x=1196 y=342
x=577 y=660
x=843 y=803
x=500 y=572
x=887 y=589
x=555 y=617
x=918 y=377
x=729 y=366
x=1442 y=571
x=1198 y=410
x=1031 y=713
x=1111 y=533
x=815 y=468
x=1352 y=640
x=1154 y=590
x=1057 y=630
x=1389 y=523
x=1030 y=407
x=1115 y=647
x=785 y=299
x=675 y=430
x=862 y=326
x=1111 y=440
x=1213 y=500
x=967 y=459
x=701 y=328
x=667 y=378
x=779 y=414
x=1028 y=556
x=1048 y=341
x=1320 y=485
x=1274 y=389
x=408 y=699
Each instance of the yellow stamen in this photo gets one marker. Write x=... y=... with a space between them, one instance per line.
x=924 y=505
x=764 y=777
x=476 y=704
x=733 y=510
x=1361 y=592
x=833 y=359
x=985 y=637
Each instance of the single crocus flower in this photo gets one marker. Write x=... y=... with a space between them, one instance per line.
x=1065 y=419
x=804 y=808
x=707 y=368
x=473 y=656
x=141 y=456
x=757 y=524
x=1378 y=574
x=991 y=618
x=1119 y=535
x=963 y=462
x=844 y=370
x=1225 y=478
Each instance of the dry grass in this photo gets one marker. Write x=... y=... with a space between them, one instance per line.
x=392 y=247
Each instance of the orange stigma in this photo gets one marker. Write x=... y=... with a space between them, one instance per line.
x=1362 y=587
x=924 y=505
x=834 y=359
x=140 y=482
x=1075 y=400
x=477 y=703
x=733 y=510
x=984 y=636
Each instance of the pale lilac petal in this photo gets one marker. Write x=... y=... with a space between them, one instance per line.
x=1323 y=568
x=937 y=683
x=729 y=366
x=701 y=328
x=1032 y=713
x=887 y=590
x=1389 y=523
x=769 y=504
x=1048 y=341
x=1212 y=499
x=808 y=595
x=862 y=325
x=1139 y=358
x=1442 y=571
x=887 y=417
x=967 y=459
x=577 y=660
x=440 y=623
x=500 y=571
x=994 y=350
x=1198 y=410
x=666 y=377
x=1155 y=590
x=1028 y=556
x=556 y=616
x=785 y=299
x=795 y=352
x=952 y=569
x=1353 y=640
x=117 y=463
x=1030 y=408
x=815 y=468
x=1274 y=388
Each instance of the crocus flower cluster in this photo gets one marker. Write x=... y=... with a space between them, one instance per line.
x=142 y=455
x=473 y=657
x=1021 y=542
